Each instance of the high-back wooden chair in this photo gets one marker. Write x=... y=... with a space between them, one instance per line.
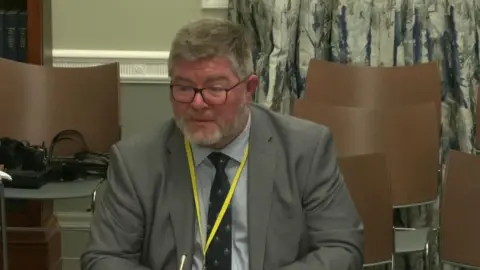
x=373 y=87
x=407 y=135
x=367 y=180
x=337 y=84
x=459 y=236
x=38 y=102
x=403 y=91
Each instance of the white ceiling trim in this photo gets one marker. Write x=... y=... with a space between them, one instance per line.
x=215 y=4
x=135 y=66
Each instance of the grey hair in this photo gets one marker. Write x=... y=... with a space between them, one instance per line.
x=212 y=37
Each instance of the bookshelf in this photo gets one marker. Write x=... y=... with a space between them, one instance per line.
x=30 y=23
x=26 y=36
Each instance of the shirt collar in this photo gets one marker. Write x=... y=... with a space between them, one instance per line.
x=235 y=150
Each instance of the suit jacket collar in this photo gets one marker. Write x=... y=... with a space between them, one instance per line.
x=261 y=168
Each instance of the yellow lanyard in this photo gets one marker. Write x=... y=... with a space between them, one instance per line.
x=226 y=203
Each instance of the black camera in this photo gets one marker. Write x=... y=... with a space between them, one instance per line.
x=20 y=155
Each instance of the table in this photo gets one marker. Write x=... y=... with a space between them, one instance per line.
x=80 y=188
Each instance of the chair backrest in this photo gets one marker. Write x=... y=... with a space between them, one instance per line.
x=38 y=102
x=408 y=135
x=459 y=219
x=367 y=180
x=356 y=131
x=412 y=145
x=373 y=87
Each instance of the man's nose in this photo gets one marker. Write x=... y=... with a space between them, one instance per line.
x=198 y=102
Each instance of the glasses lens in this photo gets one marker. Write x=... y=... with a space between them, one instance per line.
x=214 y=96
x=183 y=94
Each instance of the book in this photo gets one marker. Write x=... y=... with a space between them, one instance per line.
x=14 y=35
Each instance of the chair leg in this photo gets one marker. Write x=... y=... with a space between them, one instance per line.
x=93 y=199
x=427 y=258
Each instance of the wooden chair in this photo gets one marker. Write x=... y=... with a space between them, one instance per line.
x=38 y=102
x=337 y=84
x=367 y=180
x=407 y=135
x=459 y=234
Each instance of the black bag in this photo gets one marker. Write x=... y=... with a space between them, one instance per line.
x=82 y=164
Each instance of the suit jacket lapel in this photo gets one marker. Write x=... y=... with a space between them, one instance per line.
x=261 y=168
x=180 y=199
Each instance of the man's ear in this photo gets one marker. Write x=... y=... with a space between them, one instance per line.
x=252 y=84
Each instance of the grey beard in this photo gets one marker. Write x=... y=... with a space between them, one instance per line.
x=224 y=130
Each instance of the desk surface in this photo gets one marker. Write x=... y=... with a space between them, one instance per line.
x=62 y=190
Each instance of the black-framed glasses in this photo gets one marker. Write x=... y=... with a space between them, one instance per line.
x=210 y=95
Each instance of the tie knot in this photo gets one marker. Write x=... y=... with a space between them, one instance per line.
x=219 y=160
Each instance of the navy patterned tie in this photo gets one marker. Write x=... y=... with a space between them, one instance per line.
x=219 y=253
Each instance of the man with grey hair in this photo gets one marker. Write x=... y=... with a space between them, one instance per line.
x=225 y=184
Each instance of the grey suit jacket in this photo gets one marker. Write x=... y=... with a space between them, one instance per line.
x=300 y=214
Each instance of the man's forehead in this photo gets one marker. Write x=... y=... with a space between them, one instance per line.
x=205 y=71
x=205 y=78
x=204 y=63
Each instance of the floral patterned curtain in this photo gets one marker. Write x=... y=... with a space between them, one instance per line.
x=288 y=33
